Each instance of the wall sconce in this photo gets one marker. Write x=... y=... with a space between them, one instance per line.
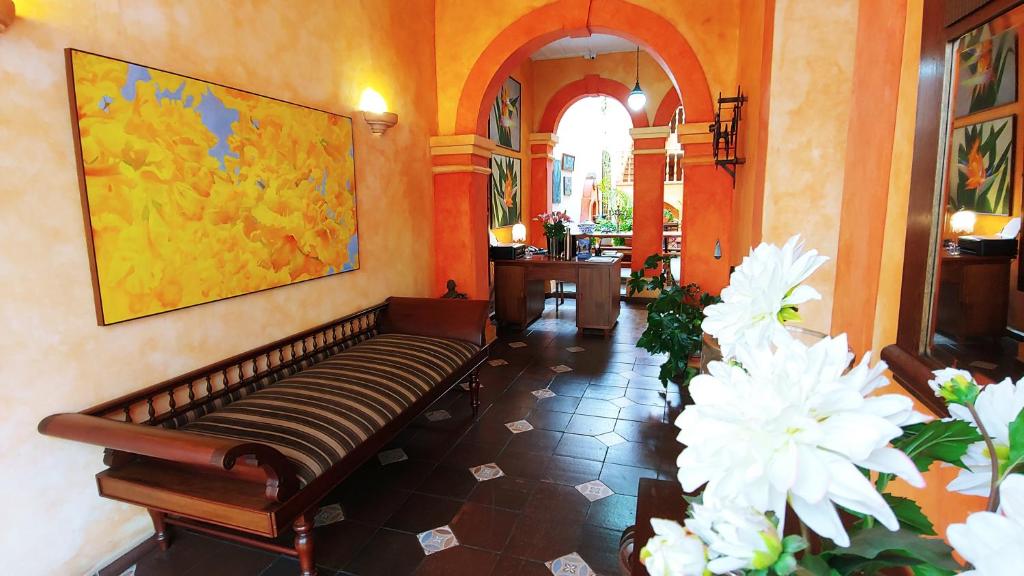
x=375 y=111
x=518 y=232
x=962 y=222
x=718 y=250
x=6 y=14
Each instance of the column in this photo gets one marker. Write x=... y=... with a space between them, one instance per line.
x=707 y=211
x=542 y=147
x=462 y=170
x=648 y=191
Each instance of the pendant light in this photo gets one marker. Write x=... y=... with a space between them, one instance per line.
x=637 y=99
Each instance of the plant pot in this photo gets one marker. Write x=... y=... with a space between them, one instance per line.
x=556 y=247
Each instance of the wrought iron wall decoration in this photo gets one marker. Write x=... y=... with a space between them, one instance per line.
x=725 y=132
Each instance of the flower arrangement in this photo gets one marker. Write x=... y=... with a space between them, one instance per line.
x=555 y=223
x=784 y=430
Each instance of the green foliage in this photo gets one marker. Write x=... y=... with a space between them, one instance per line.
x=876 y=548
x=668 y=216
x=910 y=515
x=673 y=318
x=946 y=441
x=1016 y=454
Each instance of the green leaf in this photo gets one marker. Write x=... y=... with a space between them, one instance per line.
x=926 y=570
x=811 y=565
x=946 y=441
x=1016 y=456
x=910 y=515
x=878 y=547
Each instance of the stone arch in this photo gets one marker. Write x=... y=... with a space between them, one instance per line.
x=669 y=104
x=589 y=85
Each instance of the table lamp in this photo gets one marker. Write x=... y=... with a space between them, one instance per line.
x=962 y=222
x=519 y=232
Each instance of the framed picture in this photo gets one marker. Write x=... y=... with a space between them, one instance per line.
x=504 y=123
x=986 y=70
x=188 y=196
x=981 y=168
x=505 y=191
x=566 y=184
x=556 y=182
x=568 y=161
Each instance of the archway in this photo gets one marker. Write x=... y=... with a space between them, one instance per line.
x=589 y=85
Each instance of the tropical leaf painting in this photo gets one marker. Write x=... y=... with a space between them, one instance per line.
x=504 y=122
x=505 y=191
x=987 y=70
x=981 y=178
x=556 y=183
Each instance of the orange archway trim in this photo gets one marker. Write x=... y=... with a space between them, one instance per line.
x=669 y=104
x=565 y=18
x=589 y=85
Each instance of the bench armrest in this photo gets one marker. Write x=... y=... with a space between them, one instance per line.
x=197 y=450
x=438 y=317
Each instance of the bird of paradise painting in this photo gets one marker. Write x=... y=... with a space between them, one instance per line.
x=981 y=175
x=986 y=70
x=194 y=192
x=503 y=124
x=505 y=191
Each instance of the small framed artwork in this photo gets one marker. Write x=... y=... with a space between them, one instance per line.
x=566 y=184
x=568 y=161
x=986 y=70
x=981 y=168
x=503 y=125
x=505 y=191
x=556 y=182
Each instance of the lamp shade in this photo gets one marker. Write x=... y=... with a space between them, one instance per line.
x=962 y=222
x=637 y=99
x=518 y=232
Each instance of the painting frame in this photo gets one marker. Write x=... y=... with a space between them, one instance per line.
x=556 y=182
x=982 y=54
x=973 y=150
x=102 y=318
x=568 y=162
x=509 y=98
x=505 y=191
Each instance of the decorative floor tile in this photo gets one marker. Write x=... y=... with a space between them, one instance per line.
x=328 y=515
x=569 y=565
x=594 y=490
x=543 y=393
x=622 y=402
x=561 y=368
x=438 y=415
x=575 y=349
x=436 y=540
x=519 y=426
x=611 y=439
x=497 y=362
x=129 y=571
x=517 y=344
x=485 y=472
x=391 y=456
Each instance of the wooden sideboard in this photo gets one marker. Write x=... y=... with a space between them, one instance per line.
x=519 y=290
x=973 y=295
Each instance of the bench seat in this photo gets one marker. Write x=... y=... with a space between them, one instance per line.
x=317 y=416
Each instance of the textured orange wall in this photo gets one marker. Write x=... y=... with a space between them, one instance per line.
x=55 y=358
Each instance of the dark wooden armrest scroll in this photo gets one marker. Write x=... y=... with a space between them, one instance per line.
x=177 y=446
x=913 y=374
x=441 y=318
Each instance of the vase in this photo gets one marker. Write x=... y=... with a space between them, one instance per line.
x=556 y=247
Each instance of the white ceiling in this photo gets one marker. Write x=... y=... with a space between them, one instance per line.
x=586 y=47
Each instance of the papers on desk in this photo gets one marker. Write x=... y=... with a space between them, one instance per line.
x=602 y=259
x=1011 y=229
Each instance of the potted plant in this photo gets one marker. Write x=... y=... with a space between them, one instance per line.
x=555 y=229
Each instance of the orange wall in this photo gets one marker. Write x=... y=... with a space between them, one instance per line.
x=55 y=358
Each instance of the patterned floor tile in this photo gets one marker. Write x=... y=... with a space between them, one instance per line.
x=611 y=439
x=517 y=344
x=130 y=571
x=497 y=362
x=486 y=472
x=438 y=415
x=561 y=368
x=519 y=426
x=391 y=456
x=594 y=490
x=330 y=514
x=569 y=565
x=621 y=402
x=575 y=349
x=543 y=393
x=437 y=539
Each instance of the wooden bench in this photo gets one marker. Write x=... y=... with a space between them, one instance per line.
x=174 y=448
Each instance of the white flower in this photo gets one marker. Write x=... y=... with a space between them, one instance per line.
x=737 y=537
x=994 y=543
x=763 y=292
x=954 y=386
x=998 y=405
x=793 y=425
x=673 y=551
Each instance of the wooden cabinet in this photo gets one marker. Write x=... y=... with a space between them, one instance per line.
x=597 y=297
x=973 y=296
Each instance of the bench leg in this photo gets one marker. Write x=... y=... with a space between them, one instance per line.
x=303 y=527
x=163 y=531
x=474 y=391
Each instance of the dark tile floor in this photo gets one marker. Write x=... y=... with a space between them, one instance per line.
x=606 y=422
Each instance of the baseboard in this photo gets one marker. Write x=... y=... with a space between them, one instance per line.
x=128 y=559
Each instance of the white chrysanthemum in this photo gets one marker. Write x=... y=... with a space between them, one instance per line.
x=763 y=292
x=673 y=551
x=794 y=425
x=994 y=543
x=998 y=405
x=737 y=537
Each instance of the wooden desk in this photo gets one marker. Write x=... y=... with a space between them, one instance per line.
x=519 y=290
x=974 y=294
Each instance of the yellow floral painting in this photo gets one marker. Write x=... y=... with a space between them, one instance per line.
x=195 y=192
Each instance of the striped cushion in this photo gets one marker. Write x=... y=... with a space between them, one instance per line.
x=320 y=414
